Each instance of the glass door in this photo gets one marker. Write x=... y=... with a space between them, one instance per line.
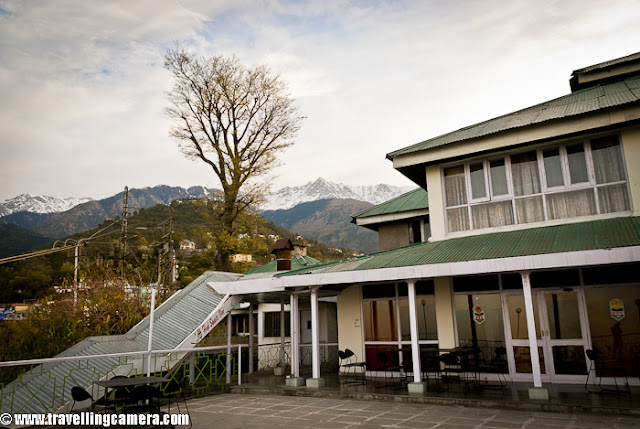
x=516 y=330
x=561 y=332
x=564 y=333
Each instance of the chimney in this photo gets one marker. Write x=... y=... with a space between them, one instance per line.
x=282 y=249
x=299 y=249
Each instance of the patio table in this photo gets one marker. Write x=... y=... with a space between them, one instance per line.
x=119 y=382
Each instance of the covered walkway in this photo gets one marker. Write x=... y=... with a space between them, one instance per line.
x=563 y=398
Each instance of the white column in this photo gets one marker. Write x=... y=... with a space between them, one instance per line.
x=282 y=325
x=251 y=334
x=415 y=336
x=315 y=333
x=531 y=328
x=228 y=347
x=151 y=318
x=295 y=337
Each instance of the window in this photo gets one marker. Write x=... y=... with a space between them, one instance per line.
x=240 y=325
x=272 y=324
x=387 y=332
x=571 y=180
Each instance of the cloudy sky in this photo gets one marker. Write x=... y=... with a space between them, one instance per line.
x=82 y=83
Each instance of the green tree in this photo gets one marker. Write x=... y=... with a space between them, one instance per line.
x=236 y=119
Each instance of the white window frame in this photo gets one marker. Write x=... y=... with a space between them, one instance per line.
x=545 y=190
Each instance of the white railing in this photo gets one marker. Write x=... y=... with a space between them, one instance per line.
x=278 y=355
x=46 y=386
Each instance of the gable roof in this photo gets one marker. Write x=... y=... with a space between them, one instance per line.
x=609 y=63
x=416 y=200
x=583 y=101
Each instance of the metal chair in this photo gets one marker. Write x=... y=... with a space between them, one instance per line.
x=496 y=365
x=598 y=364
x=354 y=371
x=173 y=390
x=141 y=400
x=79 y=394
x=391 y=372
x=431 y=368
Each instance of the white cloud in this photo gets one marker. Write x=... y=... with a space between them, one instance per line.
x=82 y=83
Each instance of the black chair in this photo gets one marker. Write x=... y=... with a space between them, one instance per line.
x=455 y=368
x=392 y=373
x=173 y=390
x=497 y=365
x=143 y=399
x=431 y=368
x=79 y=394
x=351 y=370
x=601 y=368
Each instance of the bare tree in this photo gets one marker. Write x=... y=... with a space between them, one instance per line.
x=236 y=119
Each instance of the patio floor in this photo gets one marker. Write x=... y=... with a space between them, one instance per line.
x=233 y=411
x=565 y=398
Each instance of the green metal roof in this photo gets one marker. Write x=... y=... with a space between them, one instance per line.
x=297 y=262
x=592 y=235
x=607 y=64
x=414 y=200
x=577 y=103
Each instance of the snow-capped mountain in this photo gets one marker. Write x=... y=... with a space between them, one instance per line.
x=39 y=204
x=321 y=189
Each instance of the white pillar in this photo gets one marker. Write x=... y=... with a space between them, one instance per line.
x=282 y=325
x=295 y=337
x=315 y=333
x=531 y=328
x=415 y=336
x=228 y=347
x=151 y=318
x=251 y=334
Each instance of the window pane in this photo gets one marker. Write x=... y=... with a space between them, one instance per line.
x=577 y=164
x=426 y=309
x=426 y=318
x=607 y=160
x=480 y=325
x=526 y=178
x=455 y=186
x=478 y=185
x=571 y=204
x=498 y=172
x=529 y=210
x=553 y=168
x=614 y=198
x=563 y=316
x=458 y=219
x=380 y=321
x=616 y=335
x=492 y=214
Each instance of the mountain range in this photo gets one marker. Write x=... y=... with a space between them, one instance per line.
x=322 y=189
x=320 y=209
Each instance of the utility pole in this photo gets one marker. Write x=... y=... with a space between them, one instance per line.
x=123 y=238
x=166 y=263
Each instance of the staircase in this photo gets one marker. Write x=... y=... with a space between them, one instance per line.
x=180 y=322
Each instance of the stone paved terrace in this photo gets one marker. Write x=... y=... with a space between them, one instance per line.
x=244 y=411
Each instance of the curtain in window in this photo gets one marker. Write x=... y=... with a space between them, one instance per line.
x=524 y=170
x=607 y=160
x=455 y=186
x=458 y=219
x=494 y=214
x=613 y=198
x=529 y=210
x=380 y=320
x=571 y=204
